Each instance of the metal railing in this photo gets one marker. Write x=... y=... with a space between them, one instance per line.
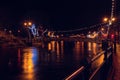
x=92 y=77
x=82 y=68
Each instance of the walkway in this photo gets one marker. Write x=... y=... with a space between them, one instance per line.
x=115 y=70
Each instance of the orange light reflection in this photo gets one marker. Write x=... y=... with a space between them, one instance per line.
x=28 y=66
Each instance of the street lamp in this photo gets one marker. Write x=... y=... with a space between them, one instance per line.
x=105 y=19
x=110 y=21
x=27 y=25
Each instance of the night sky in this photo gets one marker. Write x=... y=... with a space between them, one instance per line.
x=55 y=14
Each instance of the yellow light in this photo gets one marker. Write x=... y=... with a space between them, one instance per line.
x=102 y=29
x=29 y=23
x=49 y=46
x=105 y=19
x=25 y=24
x=113 y=19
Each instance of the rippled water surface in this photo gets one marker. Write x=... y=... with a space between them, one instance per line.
x=50 y=61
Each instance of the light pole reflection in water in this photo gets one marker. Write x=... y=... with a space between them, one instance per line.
x=56 y=48
x=78 y=50
x=89 y=46
x=62 y=47
x=94 y=47
x=44 y=66
x=51 y=46
x=30 y=57
x=58 y=51
x=77 y=47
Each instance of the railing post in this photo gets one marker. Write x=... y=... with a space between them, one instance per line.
x=115 y=44
x=104 y=48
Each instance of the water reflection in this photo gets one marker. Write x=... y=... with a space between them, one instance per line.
x=89 y=46
x=53 y=61
x=79 y=50
x=53 y=46
x=97 y=62
x=62 y=47
x=30 y=57
x=77 y=47
x=78 y=54
x=93 y=48
x=56 y=48
x=19 y=56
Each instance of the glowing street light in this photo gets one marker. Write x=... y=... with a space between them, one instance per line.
x=27 y=24
x=110 y=21
x=105 y=19
x=113 y=19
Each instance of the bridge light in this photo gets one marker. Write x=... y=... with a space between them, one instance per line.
x=29 y=23
x=105 y=19
x=25 y=24
x=102 y=29
x=113 y=19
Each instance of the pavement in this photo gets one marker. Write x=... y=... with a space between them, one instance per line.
x=114 y=73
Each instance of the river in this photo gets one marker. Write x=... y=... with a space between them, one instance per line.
x=52 y=60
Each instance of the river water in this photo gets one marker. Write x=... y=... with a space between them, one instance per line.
x=52 y=60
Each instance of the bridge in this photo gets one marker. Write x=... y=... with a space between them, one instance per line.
x=92 y=35
x=95 y=33
x=110 y=29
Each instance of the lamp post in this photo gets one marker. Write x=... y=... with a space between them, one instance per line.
x=27 y=25
x=110 y=22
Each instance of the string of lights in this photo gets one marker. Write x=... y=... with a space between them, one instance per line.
x=93 y=26
x=80 y=29
x=113 y=9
